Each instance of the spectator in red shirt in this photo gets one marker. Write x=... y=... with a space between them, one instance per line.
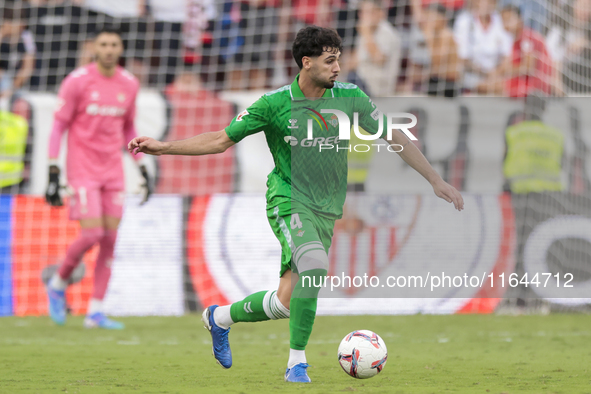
x=528 y=68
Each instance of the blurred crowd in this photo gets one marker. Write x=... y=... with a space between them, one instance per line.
x=391 y=47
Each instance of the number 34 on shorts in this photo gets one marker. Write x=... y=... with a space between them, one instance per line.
x=298 y=228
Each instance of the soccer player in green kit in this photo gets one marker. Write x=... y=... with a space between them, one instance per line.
x=306 y=189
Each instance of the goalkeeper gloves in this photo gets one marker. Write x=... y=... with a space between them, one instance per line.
x=146 y=190
x=52 y=195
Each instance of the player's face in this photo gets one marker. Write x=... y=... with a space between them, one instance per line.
x=325 y=69
x=108 y=48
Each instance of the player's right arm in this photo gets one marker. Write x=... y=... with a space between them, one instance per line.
x=64 y=113
x=202 y=144
x=249 y=121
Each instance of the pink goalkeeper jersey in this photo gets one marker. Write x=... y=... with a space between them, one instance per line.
x=99 y=112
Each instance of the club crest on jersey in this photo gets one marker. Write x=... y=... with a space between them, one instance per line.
x=95 y=95
x=334 y=121
x=121 y=97
x=292 y=124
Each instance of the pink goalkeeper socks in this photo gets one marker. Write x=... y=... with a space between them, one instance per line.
x=87 y=238
x=102 y=269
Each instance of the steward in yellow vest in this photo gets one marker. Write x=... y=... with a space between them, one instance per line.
x=358 y=162
x=533 y=162
x=13 y=142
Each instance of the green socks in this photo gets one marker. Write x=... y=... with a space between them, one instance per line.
x=304 y=301
x=260 y=306
x=265 y=305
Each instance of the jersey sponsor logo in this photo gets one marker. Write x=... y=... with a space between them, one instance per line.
x=293 y=141
x=292 y=124
x=306 y=143
x=241 y=115
x=105 y=110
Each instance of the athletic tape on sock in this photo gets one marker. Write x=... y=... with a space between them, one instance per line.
x=311 y=258
x=274 y=309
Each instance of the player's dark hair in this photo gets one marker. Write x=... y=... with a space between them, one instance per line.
x=311 y=41
x=108 y=29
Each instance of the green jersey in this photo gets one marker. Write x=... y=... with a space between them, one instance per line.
x=305 y=171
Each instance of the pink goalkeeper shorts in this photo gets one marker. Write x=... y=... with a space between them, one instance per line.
x=93 y=199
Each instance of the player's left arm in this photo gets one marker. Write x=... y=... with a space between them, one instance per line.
x=415 y=158
x=369 y=119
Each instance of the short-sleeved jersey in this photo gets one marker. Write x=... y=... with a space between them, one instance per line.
x=97 y=110
x=303 y=172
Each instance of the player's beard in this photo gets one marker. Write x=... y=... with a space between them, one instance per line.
x=108 y=64
x=326 y=84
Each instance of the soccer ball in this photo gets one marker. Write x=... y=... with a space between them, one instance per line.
x=362 y=354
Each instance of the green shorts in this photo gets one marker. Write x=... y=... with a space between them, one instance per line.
x=298 y=228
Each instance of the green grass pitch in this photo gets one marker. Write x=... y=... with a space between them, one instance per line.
x=426 y=354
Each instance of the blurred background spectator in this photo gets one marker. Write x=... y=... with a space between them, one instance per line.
x=56 y=26
x=200 y=14
x=293 y=15
x=17 y=48
x=375 y=61
x=569 y=45
x=435 y=47
x=168 y=16
x=433 y=66
x=246 y=34
x=482 y=41
x=528 y=68
x=533 y=12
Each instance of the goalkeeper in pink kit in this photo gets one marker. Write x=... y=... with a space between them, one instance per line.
x=96 y=105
